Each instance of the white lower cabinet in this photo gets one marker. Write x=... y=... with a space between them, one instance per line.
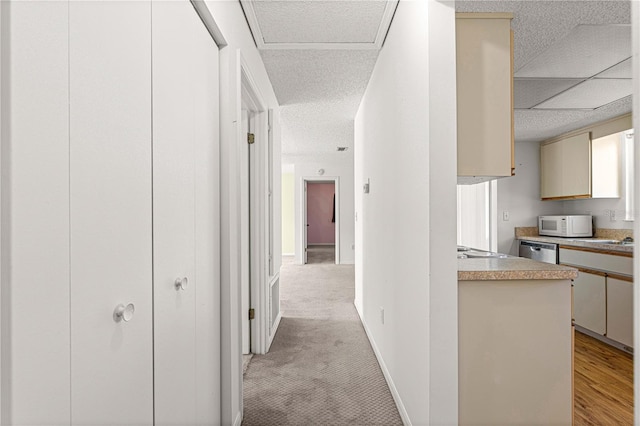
x=620 y=310
x=589 y=302
x=602 y=294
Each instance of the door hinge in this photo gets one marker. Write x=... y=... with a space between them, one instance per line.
x=252 y=313
x=251 y=138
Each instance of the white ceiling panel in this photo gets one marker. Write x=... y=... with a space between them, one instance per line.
x=319 y=21
x=535 y=125
x=590 y=94
x=528 y=93
x=585 y=52
x=622 y=70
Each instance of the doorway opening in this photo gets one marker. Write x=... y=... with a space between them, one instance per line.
x=321 y=224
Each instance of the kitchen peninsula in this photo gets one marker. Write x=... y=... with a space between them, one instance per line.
x=515 y=341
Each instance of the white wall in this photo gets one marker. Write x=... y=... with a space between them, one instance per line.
x=288 y=210
x=598 y=208
x=520 y=196
x=405 y=145
x=307 y=167
x=233 y=26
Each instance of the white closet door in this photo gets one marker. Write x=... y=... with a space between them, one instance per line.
x=111 y=246
x=207 y=204
x=173 y=212
x=37 y=336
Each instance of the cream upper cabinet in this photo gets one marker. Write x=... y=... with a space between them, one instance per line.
x=585 y=164
x=551 y=166
x=565 y=168
x=484 y=53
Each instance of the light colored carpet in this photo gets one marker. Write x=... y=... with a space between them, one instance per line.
x=321 y=255
x=246 y=359
x=321 y=369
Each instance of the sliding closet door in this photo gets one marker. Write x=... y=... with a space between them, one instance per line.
x=111 y=246
x=36 y=214
x=173 y=212
x=207 y=204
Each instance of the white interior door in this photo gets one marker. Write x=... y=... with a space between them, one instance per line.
x=110 y=187
x=245 y=259
x=175 y=285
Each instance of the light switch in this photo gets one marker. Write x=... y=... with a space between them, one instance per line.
x=505 y=216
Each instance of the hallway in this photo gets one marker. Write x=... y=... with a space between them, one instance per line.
x=321 y=368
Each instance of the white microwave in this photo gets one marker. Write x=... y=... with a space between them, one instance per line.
x=566 y=226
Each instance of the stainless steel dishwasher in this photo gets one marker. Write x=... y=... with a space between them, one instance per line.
x=542 y=252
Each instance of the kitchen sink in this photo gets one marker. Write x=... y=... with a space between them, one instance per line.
x=484 y=254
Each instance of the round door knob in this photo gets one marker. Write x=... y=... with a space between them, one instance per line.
x=124 y=313
x=181 y=283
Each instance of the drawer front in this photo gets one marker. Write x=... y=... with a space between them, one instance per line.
x=604 y=262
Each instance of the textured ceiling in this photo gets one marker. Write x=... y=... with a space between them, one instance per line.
x=320 y=90
x=539 y=26
x=319 y=21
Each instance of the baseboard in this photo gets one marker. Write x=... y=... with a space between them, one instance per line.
x=387 y=376
x=238 y=420
x=275 y=327
x=288 y=254
x=605 y=339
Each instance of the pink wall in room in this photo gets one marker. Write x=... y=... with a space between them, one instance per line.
x=319 y=213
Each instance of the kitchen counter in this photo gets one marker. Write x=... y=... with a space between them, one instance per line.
x=512 y=268
x=604 y=247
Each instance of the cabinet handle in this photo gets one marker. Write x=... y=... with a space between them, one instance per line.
x=123 y=313
x=181 y=283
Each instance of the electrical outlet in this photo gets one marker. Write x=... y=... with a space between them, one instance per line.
x=505 y=216
x=381 y=314
x=612 y=215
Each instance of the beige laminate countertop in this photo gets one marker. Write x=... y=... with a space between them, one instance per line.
x=585 y=244
x=512 y=268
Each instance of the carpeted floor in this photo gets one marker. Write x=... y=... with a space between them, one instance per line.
x=321 y=254
x=321 y=369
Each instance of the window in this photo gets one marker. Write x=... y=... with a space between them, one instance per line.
x=477 y=221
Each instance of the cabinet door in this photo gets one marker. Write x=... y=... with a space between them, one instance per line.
x=620 y=311
x=173 y=212
x=484 y=109
x=589 y=301
x=551 y=170
x=110 y=163
x=576 y=165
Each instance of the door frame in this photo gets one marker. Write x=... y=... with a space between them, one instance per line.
x=302 y=231
x=259 y=215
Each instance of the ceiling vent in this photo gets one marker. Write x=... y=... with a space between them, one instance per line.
x=342 y=148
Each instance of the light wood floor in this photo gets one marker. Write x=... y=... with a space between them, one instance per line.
x=603 y=383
